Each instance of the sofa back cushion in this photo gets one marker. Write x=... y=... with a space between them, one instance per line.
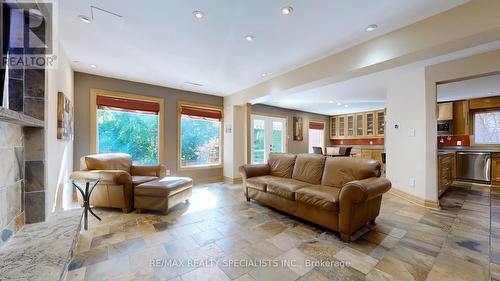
x=308 y=168
x=108 y=161
x=341 y=170
x=281 y=164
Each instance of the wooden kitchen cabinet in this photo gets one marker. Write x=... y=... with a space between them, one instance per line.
x=360 y=124
x=484 y=103
x=461 y=118
x=366 y=154
x=445 y=111
x=375 y=154
x=333 y=127
x=495 y=169
x=350 y=125
x=341 y=121
x=380 y=123
x=370 y=124
x=446 y=171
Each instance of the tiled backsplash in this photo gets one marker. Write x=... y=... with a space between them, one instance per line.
x=444 y=141
x=374 y=141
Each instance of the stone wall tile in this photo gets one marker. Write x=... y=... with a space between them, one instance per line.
x=35 y=178
x=35 y=206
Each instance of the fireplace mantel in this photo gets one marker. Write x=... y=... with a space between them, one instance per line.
x=19 y=118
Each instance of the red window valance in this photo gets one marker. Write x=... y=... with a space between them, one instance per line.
x=201 y=112
x=127 y=105
x=316 y=125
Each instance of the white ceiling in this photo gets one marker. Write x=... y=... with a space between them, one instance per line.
x=161 y=43
x=368 y=92
x=487 y=86
x=365 y=93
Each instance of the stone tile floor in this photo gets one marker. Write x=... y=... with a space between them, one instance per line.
x=219 y=236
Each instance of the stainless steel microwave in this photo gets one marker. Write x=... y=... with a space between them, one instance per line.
x=445 y=128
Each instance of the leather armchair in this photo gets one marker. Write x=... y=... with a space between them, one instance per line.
x=118 y=178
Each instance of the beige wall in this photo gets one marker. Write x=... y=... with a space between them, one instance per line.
x=83 y=84
x=295 y=146
x=406 y=153
x=59 y=153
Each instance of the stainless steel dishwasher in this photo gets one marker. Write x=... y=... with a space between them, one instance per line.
x=474 y=166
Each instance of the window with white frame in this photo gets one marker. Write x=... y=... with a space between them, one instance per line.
x=316 y=135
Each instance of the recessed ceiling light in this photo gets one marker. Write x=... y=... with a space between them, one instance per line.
x=249 y=38
x=198 y=14
x=85 y=19
x=339 y=103
x=286 y=10
x=330 y=101
x=371 y=27
x=263 y=74
x=93 y=66
x=346 y=105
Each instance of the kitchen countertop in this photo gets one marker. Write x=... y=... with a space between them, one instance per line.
x=469 y=148
x=368 y=146
x=446 y=152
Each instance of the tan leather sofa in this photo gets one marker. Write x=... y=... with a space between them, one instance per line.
x=118 y=178
x=340 y=193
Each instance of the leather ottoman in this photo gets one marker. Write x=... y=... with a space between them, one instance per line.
x=162 y=194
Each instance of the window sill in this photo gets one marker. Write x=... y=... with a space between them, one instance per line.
x=201 y=167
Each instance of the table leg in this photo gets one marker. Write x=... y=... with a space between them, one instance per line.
x=86 y=206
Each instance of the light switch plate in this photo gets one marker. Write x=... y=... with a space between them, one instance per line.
x=412 y=182
x=411 y=132
x=459 y=142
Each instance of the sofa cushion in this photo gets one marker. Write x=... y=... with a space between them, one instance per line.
x=281 y=164
x=259 y=183
x=136 y=180
x=341 y=170
x=308 y=168
x=284 y=187
x=325 y=197
x=109 y=161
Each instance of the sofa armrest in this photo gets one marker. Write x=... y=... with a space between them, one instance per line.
x=356 y=206
x=118 y=177
x=254 y=170
x=155 y=171
x=363 y=190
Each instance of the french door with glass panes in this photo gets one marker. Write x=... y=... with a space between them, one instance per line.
x=268 y=135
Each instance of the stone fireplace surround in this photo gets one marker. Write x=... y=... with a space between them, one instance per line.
x=22 y=142
x=22 y=172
